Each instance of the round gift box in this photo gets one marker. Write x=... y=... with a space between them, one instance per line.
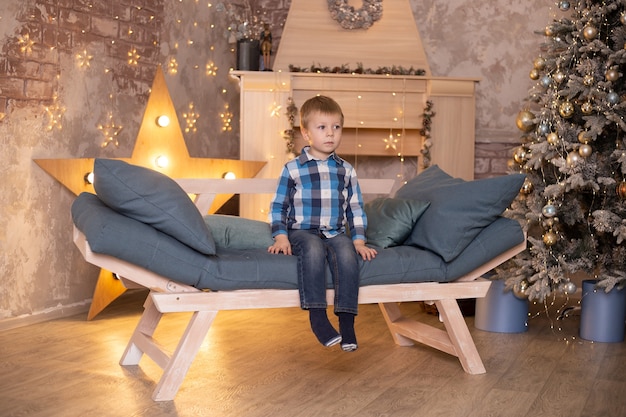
x=501 y=311
x=602 y=315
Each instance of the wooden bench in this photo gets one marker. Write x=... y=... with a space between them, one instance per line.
x=168 y=296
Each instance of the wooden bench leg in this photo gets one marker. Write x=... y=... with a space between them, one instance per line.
x=141 y=338
x=186 y=351
x=392 y=314
x=460 y=336
x=455 y=340
x=174 y=367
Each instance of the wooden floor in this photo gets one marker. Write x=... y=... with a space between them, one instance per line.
x=267 y=363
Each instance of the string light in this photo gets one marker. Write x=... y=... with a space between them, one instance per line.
x=133 y=57
x=190 y=117
x=110 y=130
x=83 y=59
x=25 y=43
x=226 y=117
x=55 y=114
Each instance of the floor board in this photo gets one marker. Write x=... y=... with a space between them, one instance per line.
x=268 y=363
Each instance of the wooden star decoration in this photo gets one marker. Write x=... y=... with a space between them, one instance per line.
x=153 y=142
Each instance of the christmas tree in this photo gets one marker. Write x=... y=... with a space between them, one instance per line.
x=573 y=151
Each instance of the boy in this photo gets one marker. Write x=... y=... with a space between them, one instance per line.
x=317 y=194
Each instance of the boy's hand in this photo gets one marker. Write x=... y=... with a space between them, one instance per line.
x=366 y=252
x=281 y=244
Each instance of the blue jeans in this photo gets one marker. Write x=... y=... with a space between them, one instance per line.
x=314 y=252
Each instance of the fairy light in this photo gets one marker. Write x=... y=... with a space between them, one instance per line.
x=55 y=114
x=133 y=57
x=110 y=130
x=226 y=117
x=25 y=43
x=190 y=117
x=172 y=66
x=83 y=59
x=211 y=69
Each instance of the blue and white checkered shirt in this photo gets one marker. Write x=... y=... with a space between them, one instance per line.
x=321 y=195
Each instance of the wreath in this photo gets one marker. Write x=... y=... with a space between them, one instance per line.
x=350 y=18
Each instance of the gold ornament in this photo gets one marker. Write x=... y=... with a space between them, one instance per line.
x=539 y=63
x=586 y=107
x=583 y=136
x=566 y=109
x=622 y=18
x=585 y=150
x=550 y=238
x=520 y=289
x=612 y=74
x=590 y=32
x=572 y=159
x=621 y=190
x=552 y=138
x=520 y=155
x=549 y=31
x=559 y=77
x=525 y=121
x=534 y=74
x=588 y=80
x=527 y=187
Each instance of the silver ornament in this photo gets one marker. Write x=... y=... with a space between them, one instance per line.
x=569 y=288
x=548 y=210
x=564 y=5
x=612 y=97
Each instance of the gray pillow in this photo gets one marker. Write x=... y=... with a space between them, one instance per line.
x=152 y=198
x=232 y=232
x=391 y=220
x=458 y=209
x=112 y=233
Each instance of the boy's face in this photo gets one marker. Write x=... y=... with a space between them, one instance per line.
x=323 y=134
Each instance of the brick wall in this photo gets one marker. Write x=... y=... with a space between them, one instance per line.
x=30 y=59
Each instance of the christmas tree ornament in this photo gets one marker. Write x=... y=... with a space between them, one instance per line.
x=564 y=5
x=527 y=187
x=586 y=107
x=550 y=238
x=525 y=121
x=534 y=74
x=545 y=81
x=566 y=109
x=622 y=18
x=612 y=98
x=519 y=155
x=583 y=136
x=520 y=288
x=590 y=32
x=549 y=210
x=543 y=128
x=573 y=158
x=585 y=150
x=549 y=31
x=569 y=288
x=539 y=63
x=612 y=74
x=621 y=190
x=559 y=77
x=552 y=138
x=588 y=80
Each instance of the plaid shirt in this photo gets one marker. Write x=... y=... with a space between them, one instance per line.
x=316 y=194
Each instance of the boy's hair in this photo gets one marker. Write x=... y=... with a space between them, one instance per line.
x=321 y=104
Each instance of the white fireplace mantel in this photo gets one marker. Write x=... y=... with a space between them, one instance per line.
x=374 y=106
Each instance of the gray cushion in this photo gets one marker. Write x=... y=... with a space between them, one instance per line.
x=120 y=236
x=458 y=209
x=232 y=232
x=391 y=220
x=114 y=234
x=152 y=198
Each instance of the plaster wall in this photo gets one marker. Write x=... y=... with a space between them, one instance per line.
x=43 y=274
